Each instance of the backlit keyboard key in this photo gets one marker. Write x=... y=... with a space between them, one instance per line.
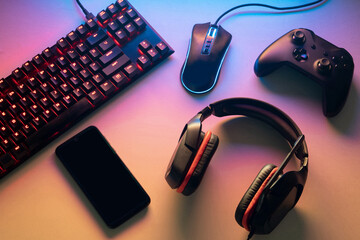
x=139 y=23
x=88 y=86
x=121 y=36
x=25 y=102
x=62 y=62
x=103 y=17
x=162 y=48
x=38 y=122
x=106 y=45
x=47 y=54
x=130 y=29
x=131 y=70
x=7 y=144
x=68 y=100
x=98 y=79
x=95 y=97
x=153 y=54
x=143 y=61
x=3 y=84
x=85 y=74
x=91 y=25
x=48 y=115
x=62 y=45
x=12 y=96
x=20 y=152
x=38 y=61
x=18 y=74
x=96 y=38
x=78 y=93
x=72 y=55
x=122 y=20
x=3 y=103
x=144 y=46
x=94 y=53
x=113 y=26
x=28 y=67
x=75 y=82
x=131 y=13
x=81 y=48
x=52 y=68
x=72 y=38
x=81 y=31
x=28 y=129
x=122 y=4
x=110 y=55
x=65 y=74
x=94 y=67
x=85 y=60
x=58 y=107
x=75 y=67
x=107 y=88
x=55 y=95
x=116 y=65
x=119 y=79
x=55 y=81
x=43 y=76
x=65 y=88
x=17 y=136
x=36 y=94
x=112 y=10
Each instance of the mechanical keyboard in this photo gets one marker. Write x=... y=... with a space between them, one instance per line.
x=58 y=87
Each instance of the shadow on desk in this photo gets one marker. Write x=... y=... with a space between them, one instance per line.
x=290 y=83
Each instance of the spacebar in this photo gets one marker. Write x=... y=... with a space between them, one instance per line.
x=41 y=137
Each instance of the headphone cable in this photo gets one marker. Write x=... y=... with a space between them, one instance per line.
x=268 y=6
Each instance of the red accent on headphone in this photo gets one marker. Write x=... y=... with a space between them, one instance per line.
x=193 y=165
x=250 y=209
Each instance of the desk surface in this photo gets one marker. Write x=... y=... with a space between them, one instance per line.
x=41 y=201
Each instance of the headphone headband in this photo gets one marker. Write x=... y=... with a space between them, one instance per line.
x=273 y=193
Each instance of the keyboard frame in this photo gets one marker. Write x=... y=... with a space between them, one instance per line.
x=59 y=132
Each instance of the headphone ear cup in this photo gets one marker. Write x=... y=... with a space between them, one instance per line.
x=200 y=168
x=249 y=200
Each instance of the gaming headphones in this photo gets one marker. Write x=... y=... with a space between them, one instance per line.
x=273 y=193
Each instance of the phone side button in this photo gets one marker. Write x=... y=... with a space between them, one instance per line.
x=57 y=125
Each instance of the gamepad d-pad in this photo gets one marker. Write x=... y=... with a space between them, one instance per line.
x=318 y=59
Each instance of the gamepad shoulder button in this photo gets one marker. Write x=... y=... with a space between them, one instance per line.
x=298 y=37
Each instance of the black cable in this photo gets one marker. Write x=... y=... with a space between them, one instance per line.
x=88 y=14
x=267 y=6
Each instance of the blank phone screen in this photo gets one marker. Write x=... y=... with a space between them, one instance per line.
x=102 y=176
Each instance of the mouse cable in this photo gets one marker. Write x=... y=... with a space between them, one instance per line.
x=88 y=14
x=267 y=6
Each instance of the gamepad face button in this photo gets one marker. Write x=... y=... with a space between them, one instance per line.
x=300 y=54
x=298 y=37
x=324 y=65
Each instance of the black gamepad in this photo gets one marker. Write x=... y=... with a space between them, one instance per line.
x=328 y=65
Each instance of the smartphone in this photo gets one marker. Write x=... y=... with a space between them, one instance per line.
x=102 y=176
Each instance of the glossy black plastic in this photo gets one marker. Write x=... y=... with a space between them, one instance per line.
x=103 y=176
x=200 y=71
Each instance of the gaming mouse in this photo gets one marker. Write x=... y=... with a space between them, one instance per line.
x=207 y=49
